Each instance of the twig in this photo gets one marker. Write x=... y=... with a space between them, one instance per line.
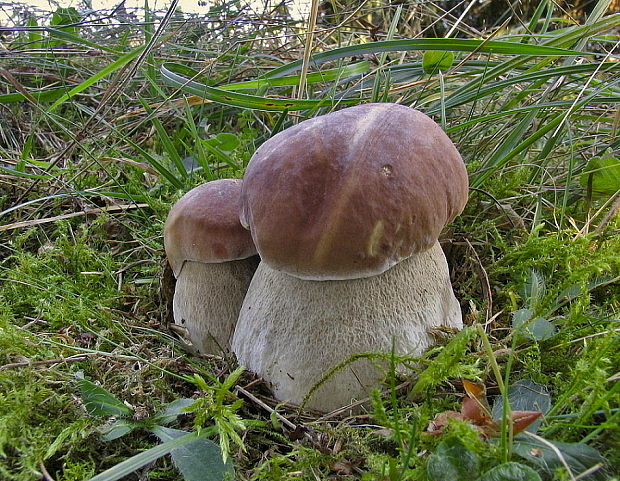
x=80 y=357
x=615 y=208
x=266 y=407
x=46 y=475
x=314 y=8
x=557 y=452
x=98 y=210
x=589 y=471
x=484 y=280
x=32 y=322
x=460 y=19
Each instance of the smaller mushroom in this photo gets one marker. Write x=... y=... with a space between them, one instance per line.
x=213 y=259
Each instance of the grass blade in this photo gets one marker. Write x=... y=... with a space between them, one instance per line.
x=121 y=62
x=357 y=68
x=136 y=462
x=449 y=44
x=169 y=72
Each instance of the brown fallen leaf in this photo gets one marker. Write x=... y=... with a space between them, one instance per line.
x=475 y=409
x=344 y=467
x=522 y=419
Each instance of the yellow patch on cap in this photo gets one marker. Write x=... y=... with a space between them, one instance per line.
x=375 y=239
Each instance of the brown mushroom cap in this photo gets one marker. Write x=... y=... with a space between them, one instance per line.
x=204 y=226
x=352 y=193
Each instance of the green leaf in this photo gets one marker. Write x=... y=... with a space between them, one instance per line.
x=166 y=141
x=604 y=173
x=43 y=95
x=99 y=402
x=69 y=37
x=452 y=461
x=579 y=457
x=25 y=175
x=486 y=88
x=525 y=395
x=157 y=165
x=118 y=428
x=64 y=16
x=436 y=60
x=34 y=34
x=200 y=460
x=541 y=329
x=174 y=410
x=537 y=329
x=328 y=75
x=64 y=21
x=521 y=316
x=505 y=149
x=510 y=472
x=534 y=288
x=575 y=290
x=136 y=462
x=224 y=141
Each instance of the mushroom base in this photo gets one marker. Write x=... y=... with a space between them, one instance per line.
x=292 y=332
x=207 y=300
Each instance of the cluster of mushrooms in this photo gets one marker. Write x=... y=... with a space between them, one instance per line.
x=344 y=210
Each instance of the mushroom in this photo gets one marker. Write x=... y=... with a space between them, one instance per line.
x=345 y=210
x=213 y=259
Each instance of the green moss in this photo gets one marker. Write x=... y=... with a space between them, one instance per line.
x=66 y=283
x=566 y=262
x=53 y=293
x=38 y=418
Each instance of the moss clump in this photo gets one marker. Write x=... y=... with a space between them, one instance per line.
x=38 y=421
x=54 y=299
x=567 y=262
x=65 y=283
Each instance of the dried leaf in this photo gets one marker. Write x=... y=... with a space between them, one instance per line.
x=474 y=390
x=522 y=419
x=478 y=393
x=297 y=433
x=475 y=409
x=343 y=467
x=472 y=409
x=437 y=425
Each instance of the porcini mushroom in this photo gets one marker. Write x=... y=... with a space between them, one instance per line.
x=213 y=259
x=345 y=210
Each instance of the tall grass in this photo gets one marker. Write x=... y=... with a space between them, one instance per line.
x=106 y=118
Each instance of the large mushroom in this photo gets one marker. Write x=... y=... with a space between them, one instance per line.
x=213 y=259
x=345 y=210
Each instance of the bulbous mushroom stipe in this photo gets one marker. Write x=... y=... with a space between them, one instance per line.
x=213 y=259
x=345 y=210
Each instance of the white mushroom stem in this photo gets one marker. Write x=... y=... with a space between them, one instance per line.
x=207 y=300
x=292 y=331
